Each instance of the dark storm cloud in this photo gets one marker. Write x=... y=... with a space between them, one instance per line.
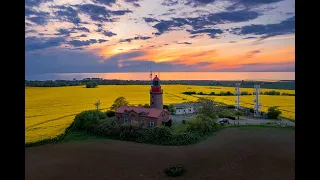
x=285 y=27
x=135 y=38
x=207 y=20
x=100 y=13
x=34 y=43
x=67 y=13
x=31 y=3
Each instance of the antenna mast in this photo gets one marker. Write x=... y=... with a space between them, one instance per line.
x=237 y=88
x=257 y=104
x=150 y=74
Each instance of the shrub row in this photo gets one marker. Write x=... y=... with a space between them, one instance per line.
x=96 y=123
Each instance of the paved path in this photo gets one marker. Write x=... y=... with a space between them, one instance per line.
x=261 y=121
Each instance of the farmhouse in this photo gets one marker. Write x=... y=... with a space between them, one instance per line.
x=147 y=117
x=185 y=108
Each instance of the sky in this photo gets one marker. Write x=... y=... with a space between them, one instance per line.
x=101 y=36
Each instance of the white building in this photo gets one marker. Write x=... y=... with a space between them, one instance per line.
x=185 y=108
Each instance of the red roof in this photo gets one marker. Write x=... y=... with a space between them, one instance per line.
x=156 y=78
x=150 y=112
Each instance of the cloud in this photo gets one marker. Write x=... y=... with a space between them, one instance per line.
x=250 y=54
x=82 y=35
x=100 y=13
x=235 y=4
x=133 y=2
x=105 y=2
x=135 y=38
x=184 y=43
x=109 y=33
x=102 y=40
x=259 y=67
x=232 y=41
x=66 y=32
x=78 y=43
x=31 y=3
x=250 y=37
x=150 y=20
x=210 y=32
x=37 y=17
x=205 y=20
x=67 y=13
x=70 y=61
x=285 y=27
x=34 y=43
x=249 y=4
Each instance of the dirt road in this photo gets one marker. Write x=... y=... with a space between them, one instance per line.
x=233 y=153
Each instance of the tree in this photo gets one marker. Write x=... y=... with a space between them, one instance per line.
x=207 y=108
x=146 y=105
x=91 y=84
x=212 y=93
x=274 y=112
x=120 y=101
x=171 y=109
x=238 y=113
x=110 y=113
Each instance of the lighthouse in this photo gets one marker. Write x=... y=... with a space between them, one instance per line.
x=156 y=94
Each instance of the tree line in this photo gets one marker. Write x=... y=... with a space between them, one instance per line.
x=243 y=93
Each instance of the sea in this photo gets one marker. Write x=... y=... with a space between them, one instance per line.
x=219 y=76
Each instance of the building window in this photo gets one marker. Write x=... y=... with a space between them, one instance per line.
x=190 y=110
x=162 y=114
x=125 y=119
x=142 y=113
x=151 y=123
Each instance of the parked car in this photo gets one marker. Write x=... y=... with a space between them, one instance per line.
x=224 y=121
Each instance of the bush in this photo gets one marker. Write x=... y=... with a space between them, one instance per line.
x=274 y=112
x=244 y=93
x=110 y=113
x=212 y=93
x=184 y=138
x=169 y=123
x=91 y=84
x=183 y=121
x=174 y=171
x=202 y=125
x=87 y=120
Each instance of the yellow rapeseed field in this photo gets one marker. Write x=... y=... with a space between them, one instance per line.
x=50 y=110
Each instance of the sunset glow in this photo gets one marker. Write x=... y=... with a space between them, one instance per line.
x=171 y=35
